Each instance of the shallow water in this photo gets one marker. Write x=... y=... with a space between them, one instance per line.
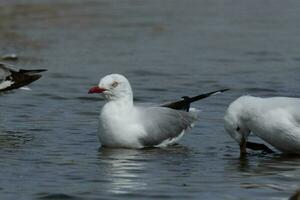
x=168 y=49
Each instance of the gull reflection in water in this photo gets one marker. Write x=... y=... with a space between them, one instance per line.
x=125 y=168
x=128 y=171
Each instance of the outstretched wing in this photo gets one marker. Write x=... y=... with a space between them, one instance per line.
x=162 y=124
x=12 y=79
x=186 y=102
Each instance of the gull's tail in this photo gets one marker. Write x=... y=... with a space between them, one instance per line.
x=186 y=102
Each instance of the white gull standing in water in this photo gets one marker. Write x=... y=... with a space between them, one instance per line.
x=12 y=79
x=275 y=120
x=122 y=124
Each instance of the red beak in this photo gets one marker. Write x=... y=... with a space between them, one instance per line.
x=96 y=90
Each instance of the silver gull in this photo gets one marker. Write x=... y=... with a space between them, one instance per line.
x=275 y=120
x=122 y=124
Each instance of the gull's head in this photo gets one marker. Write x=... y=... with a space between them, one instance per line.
x=235 y=124
x=113 y=87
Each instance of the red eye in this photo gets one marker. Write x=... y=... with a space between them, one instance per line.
x=115 y=84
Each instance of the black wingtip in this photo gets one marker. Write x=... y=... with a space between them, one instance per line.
x=224 y=90
x=217 y=91
x=35 y=77
x=21 y=80
x=205 y=95
x=32 y=71
x=185 y=103
x=258 y=147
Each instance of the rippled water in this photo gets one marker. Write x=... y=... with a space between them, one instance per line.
x=48 y=143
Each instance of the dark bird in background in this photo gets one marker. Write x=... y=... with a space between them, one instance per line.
x=296 y=196
x=11 y=78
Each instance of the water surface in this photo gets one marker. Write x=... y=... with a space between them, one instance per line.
x=168 y=49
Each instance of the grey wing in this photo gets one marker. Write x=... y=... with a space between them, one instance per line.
x=282 y=129
x=164 y=123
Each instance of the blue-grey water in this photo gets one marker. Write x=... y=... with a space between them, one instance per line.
x=167 y=49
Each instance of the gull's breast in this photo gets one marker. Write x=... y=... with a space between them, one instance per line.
x=119 y=130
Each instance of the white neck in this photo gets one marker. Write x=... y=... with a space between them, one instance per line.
x=121 y=104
